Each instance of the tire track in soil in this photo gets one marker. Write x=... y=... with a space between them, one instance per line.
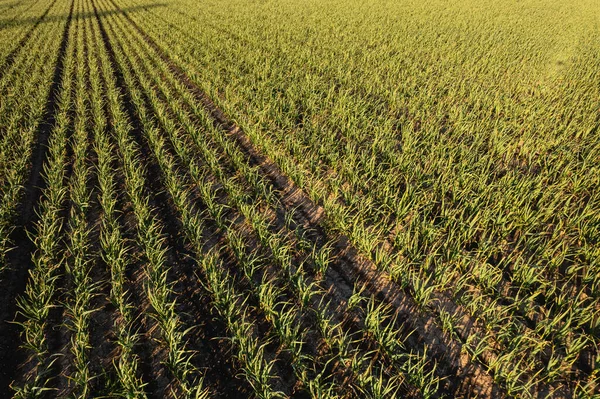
x=20 y=256
x=10 y=58
x=472 y=379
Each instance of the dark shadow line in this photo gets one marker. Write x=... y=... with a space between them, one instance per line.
x=21 y=12
x=84 y=15
x=10 y=58
x=45 y=128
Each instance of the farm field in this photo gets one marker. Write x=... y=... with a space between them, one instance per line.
x=299 y=199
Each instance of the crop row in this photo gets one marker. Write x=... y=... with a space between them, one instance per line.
x=250 y=262
x=517 y=344
x=360 y=223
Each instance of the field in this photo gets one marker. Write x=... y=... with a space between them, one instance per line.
x=299 y=199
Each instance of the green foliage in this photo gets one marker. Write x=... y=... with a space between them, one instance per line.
x=448 y=150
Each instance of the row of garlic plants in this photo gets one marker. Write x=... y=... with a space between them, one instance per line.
x=251 y=263
x=360 y=209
